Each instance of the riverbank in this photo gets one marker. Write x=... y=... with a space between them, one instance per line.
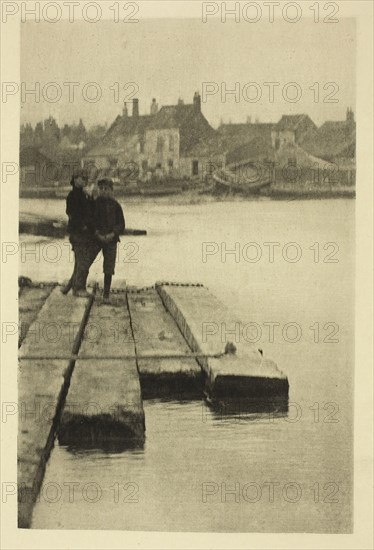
x=201 y=194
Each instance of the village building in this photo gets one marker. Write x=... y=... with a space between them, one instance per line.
x=291 y=129
x=170 y=141
x=247 y=142
x=334 y=141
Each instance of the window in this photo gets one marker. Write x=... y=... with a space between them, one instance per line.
x=170 y=163
x=141 y=145
x=144 y=165
x=160 y=144
x=195 y=167
x=171 y=143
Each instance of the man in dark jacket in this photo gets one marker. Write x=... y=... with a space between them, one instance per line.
x=109 y=224
x=81 y=229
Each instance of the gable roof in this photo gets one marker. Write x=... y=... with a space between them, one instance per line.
x=128 y=125
x=291 y=122
x=332 y=140
x=122 y=129
x=172 y=116
x=238 y=134
x=258 y=149
x=192 y=124
x=302 y=158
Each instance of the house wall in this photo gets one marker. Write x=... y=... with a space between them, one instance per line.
x=287 y=136
x=162 y=147
x=303 y=127
x=206 y=165
x=129 y=153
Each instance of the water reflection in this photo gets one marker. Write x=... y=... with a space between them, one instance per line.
x=248 y=410
x=91 y=435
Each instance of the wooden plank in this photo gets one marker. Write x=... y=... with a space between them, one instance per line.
x=41 y=390
x=204 y=322
x=31 y=300
x=156 y=333
x=35 y=224
x=104 y=405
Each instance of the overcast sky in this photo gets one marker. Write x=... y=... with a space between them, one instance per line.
x=168 y=59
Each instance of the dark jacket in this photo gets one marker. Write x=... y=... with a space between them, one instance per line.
x=109 y=217
x=80 y=209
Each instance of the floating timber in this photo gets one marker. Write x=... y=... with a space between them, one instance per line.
x=168 y=371
x=42 y=385
x=85 y=368
x=104 y=404
x=232 y=369
x=32 y=224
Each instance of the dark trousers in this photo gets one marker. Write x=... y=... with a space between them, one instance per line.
x=109 y=256
x=85 y=251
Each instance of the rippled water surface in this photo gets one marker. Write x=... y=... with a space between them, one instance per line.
x=201 y=471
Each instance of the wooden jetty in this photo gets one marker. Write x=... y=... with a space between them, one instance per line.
x=42 y=386
x=85 y=368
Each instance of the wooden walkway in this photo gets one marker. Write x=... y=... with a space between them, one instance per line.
x=85 y=368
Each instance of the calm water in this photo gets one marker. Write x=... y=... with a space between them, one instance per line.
x=191 y=456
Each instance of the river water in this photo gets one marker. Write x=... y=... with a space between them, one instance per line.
x=201 y=471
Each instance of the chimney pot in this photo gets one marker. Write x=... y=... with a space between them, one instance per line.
x=154 y=107
x=135 y=107
x=197 y=101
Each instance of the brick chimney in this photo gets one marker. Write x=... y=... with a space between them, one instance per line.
x=135 y=107
x=154 y=107
x=125 y=112
x=197 y=101
x=350 y=117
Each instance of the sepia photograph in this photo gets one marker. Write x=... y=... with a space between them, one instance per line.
x=184 y=193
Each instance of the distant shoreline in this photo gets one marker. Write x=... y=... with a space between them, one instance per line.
x=200 y=195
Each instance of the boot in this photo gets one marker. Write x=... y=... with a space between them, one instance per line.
x=66 y=289
x=107 y=283
x=81 y=293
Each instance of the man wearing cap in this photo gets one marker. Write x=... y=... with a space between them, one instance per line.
x=81 y=229
x=109 y=224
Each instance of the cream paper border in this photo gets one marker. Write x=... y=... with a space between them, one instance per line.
x=362 y=538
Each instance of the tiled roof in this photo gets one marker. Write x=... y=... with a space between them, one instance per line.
x=290 y=122
x=256 y=149
x=240 y=139
x=172 y=116
x=191 y=123
x=193 y=126
x=128 y=125
x=122 y=129
x=333 y=139
x=208 y=146
x=302 y=158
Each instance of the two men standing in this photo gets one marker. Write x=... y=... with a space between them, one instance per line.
x=94 y=225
